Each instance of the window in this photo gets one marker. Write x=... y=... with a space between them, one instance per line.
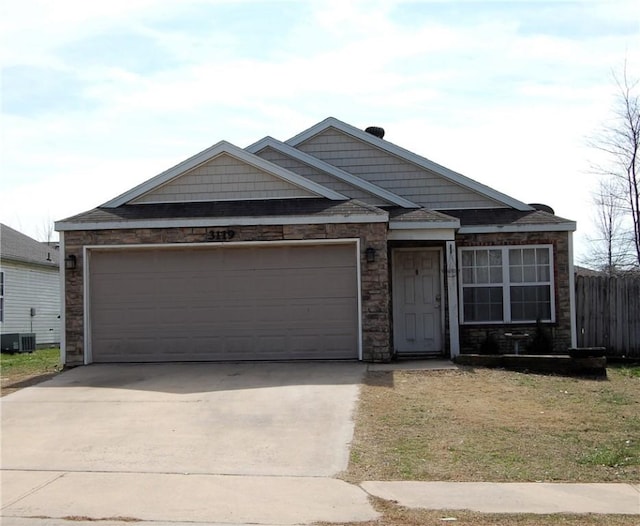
x=507 y=284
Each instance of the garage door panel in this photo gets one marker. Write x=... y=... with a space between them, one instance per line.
x=261 y=302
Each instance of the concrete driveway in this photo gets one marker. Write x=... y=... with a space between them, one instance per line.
x=231 y=419
x=272 y=428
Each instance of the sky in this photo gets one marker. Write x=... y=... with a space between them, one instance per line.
x=98 y=97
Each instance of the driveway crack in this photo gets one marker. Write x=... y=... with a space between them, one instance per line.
x=33 y=490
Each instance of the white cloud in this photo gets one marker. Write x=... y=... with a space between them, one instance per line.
x=483 y=93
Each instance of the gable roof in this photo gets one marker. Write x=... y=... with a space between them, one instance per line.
x=16 y=246
x=222 y=147
x=411 y=157
x=390 y=197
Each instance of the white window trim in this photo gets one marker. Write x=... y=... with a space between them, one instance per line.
x=506 y=285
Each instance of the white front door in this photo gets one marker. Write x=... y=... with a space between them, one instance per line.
x=417 y=299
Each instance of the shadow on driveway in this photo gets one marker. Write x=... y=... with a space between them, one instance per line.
x=191 y=378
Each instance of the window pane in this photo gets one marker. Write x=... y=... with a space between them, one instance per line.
x=467 y=258
x=530 y=303
x=544 y=293
x=482 y=275
x=482 y=258
x=529 y=274
x=467 y=275
x=495 y=312
x=529 y=256
x=515 y=256
x=495 y=295
x=515 y=274
x=482 y=303
x=543 y=273
x=542 y=256
x=495 y=258
x=517 y=294
x=495 y=274
x=531 y=312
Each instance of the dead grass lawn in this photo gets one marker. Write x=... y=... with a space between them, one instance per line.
x=495 y=425
x=393 y=515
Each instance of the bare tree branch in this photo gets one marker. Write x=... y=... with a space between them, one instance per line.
x=618 y=198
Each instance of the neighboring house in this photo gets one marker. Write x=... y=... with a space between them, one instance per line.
x=335 y=244
x=29 y=287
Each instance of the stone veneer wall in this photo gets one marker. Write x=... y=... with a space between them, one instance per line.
x=374 y=276
x=471 y=336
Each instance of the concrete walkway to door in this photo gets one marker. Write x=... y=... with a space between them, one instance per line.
x=235 y=443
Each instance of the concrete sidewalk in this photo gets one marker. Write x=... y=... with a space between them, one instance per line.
x=489 y=497
x=43 y=497
x=46 y=498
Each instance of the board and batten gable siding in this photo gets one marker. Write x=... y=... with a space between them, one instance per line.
x=392 y=172
x=26 y=287
x=223 y=178
x=318 y=176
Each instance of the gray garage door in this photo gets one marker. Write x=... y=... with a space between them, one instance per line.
x=224 y=303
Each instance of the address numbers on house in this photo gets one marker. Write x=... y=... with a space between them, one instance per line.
x=220 y=235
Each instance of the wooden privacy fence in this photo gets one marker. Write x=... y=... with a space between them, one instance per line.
x=608 y=314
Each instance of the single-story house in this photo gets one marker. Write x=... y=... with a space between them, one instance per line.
x=29 y=289
x=335 y=244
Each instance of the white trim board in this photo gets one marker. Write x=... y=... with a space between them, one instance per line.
x=452 y=299
x=446 y=173
x=417 y=234
x=270 y=142
x=63 y=301
x=223 y=147
x=496 y=229
x=422 y=225
x=87 y=354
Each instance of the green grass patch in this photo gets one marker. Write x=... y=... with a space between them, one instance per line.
x=42 y=361
x=632 y=371
x=614 y=455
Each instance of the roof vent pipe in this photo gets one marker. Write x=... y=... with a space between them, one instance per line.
x=376 y=131
x=542 y=207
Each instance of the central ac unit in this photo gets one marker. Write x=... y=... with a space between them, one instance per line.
x=18 y=342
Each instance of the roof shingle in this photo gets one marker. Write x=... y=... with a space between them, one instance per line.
x=16 y=246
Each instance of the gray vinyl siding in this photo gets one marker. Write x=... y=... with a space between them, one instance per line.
x=392 y=173
x=320 y=177
x=224 y=178
x=31 y=286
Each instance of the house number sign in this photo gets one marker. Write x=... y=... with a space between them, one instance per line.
x=220 y=235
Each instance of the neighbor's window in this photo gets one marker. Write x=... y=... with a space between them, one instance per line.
x=507 y=284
